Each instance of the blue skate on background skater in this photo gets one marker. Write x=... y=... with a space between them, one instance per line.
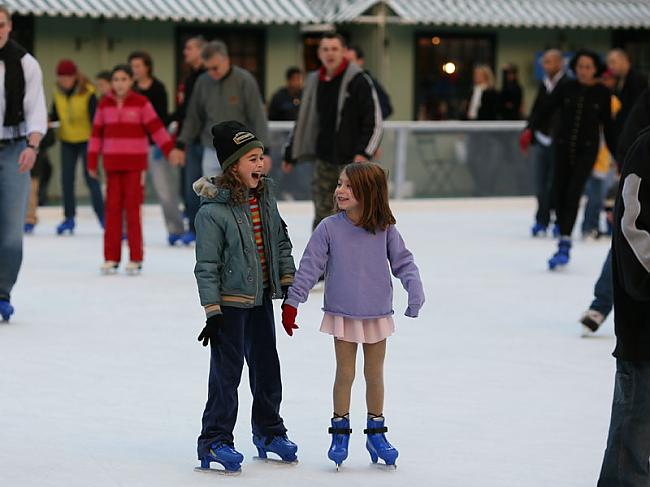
x=561 y=257
x=340 y=432
x=66 y=226
x=377 y=444
x=226 y=455
x=6 y=310
x=280 y=445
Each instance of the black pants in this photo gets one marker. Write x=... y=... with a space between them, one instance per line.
x=249 y=334
x=569 y=181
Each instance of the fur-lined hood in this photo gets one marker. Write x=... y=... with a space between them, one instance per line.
x=209 y=192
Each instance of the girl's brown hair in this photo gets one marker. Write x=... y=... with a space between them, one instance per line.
x=370 y=188
x=238 y=190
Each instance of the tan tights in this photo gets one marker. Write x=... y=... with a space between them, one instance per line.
x=373 y=371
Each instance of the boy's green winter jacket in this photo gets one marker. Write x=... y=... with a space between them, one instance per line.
x=228 y=269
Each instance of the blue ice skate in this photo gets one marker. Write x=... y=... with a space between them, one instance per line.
x=538 y=230
x=29 y=228
x=173 y=238
x=66 y=225
x=224 y=454
x=556 y=231
x=377 y=444
x=280 y=445
x=340 y=432
x=188 y=237
x=6 y=310
x=561 y=257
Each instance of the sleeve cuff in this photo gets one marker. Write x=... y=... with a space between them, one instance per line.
x=212 y=310
x=286 y=280
x=292 y=302
x=180 y=145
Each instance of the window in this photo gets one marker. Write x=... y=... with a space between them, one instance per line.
x=637 y=44
x=443 y=72
x=23 y=31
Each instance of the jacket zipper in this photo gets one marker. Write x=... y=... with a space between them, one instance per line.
x=254 y=249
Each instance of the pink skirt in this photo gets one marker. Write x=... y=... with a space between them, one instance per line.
x=358 y=331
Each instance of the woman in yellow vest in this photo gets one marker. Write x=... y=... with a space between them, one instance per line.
x=74 y=108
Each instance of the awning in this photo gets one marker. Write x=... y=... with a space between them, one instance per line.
x=229 y=11
x=498 y=13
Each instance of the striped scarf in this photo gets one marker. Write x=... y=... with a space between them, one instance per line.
x=257 y=233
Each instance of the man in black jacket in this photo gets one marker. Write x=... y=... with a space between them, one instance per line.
x=629 y=89
x=629 y=86
x=354 y=54
x=628 y=444
x=542 y=153
x=339 y=121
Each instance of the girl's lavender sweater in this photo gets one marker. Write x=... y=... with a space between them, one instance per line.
x=355 y=263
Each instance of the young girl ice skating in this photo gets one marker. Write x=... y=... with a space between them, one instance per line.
x=243 y=260
x=120 y=128
x=354 y=249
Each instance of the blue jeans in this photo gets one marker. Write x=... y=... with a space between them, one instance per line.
x=167 y=193
x=193 y=171
x=628 y=443
x=594 y=190
x=603 y=290
x=70 y=154
x=543 y=160
x=250 y=334
x=14 y=193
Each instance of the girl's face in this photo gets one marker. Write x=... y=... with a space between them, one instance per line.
x=344 y=195
x=585 y=70
x=66 y=82
x=250 y=167
x=121 y=83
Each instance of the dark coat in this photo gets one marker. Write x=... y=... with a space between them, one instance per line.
x=631 y=254
x=549 y=125
x=490 y=105
x=628 y=94
x=637 y=120
x=584 y=111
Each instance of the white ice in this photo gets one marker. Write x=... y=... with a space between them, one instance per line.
x=102 y=381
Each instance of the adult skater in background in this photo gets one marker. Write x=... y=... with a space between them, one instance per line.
x=542 y=152
x=73 y=106
x=631 y=119
x=628 y=444
x=160 y=169
x=353 y=249
x=243 y=261
x=585 y=110
x=23 y=122
x=339 y=122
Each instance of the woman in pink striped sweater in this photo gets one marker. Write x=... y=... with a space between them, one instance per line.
x=122 y=123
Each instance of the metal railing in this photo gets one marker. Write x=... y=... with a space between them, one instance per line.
x=441 y=158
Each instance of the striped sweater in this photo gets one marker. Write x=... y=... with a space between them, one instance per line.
x=120 y=133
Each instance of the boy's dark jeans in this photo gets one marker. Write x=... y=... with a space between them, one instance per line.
x=603 y=290
x=628 y=444
x=250 y=334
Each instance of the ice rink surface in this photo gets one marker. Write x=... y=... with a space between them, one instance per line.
x=102 y=381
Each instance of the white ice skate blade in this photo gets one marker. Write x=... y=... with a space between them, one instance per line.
x=225 y=473
x=383 y=466
x=276 y=461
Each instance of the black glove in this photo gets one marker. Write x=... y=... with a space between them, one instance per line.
x=212 y=330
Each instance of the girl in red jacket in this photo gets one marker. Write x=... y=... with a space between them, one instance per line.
x=120 y=128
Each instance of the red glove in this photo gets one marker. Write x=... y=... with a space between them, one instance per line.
x=525 y=140
x=289 y=318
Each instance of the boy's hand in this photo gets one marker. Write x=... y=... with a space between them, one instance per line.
x=289 y=314
x=212 y=330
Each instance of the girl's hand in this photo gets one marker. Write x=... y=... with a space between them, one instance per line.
x=92 y=173
x=289 y=314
